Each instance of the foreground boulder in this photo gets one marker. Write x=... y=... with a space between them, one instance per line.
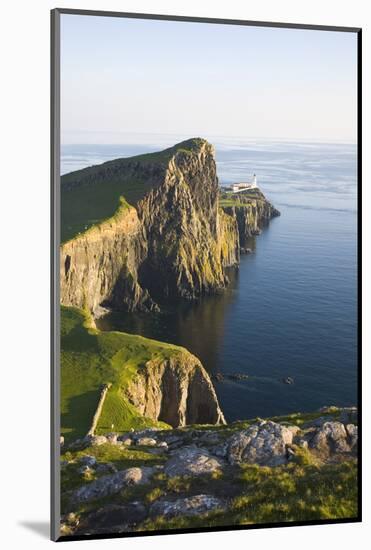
x=264 y=443
x=192 y=461
x=111 y=484
x=332 y=438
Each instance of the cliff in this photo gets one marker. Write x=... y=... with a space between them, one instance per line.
x=251 y=210
x=175 y=242
x=148 y=383
x=177 y=391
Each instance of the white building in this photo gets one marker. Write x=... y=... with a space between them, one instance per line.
x=237 y=187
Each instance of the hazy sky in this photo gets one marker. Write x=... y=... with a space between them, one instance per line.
x=125 y=77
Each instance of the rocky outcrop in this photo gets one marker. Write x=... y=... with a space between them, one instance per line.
x=213 y=472
x=264 y=443
x=175 y=243
x=251 y=214
x=177 y=391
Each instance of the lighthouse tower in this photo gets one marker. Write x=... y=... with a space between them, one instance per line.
x=254 y=181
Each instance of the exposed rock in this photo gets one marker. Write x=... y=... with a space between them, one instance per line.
x=263 y=443
x=190 y=506
x=177 y=391
x=100 y=266
x=112 y=438
x=96 y=440
x=149 y=441
x=176 y=242
x=111 y=484
x=352 y=432
x=330 y=438
x=192 y=461
x=251 y=215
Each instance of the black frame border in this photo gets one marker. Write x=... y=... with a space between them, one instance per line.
x=55 y=244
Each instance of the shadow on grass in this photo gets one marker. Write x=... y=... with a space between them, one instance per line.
x=79 y=416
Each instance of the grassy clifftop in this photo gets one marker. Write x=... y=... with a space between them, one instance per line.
x=92 y=194
x=150 y=383
x=90 y=358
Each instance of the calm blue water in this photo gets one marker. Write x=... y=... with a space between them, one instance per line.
x=290 y=309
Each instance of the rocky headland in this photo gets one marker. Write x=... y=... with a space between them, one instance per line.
x=145 y=445
x=173 y=241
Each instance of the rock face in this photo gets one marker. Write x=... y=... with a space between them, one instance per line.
x=177 y=391
x=251 y=215
x=176 y=243
x=100 y=266
x=264 y=443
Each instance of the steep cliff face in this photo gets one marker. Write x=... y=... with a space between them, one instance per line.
x=99 y=267
x=175 y=243
x=183 y=227
x=177 y=391
x=128 y=380
x=251 y=215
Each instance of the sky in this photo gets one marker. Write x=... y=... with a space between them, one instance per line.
x=125 y=79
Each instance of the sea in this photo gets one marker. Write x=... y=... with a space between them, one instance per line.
x=290 y=310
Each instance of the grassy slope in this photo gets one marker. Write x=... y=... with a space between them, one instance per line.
x=239 y=199
x=97 y=189
x=90 y=358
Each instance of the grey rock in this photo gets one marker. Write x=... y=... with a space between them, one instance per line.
x=95 y=440
x=192 y=461
x=352 y=432
x=330 y=438
x=190 y=506
x=264 y=443
x=112 y=438
x=111 y=484
x=148 y=441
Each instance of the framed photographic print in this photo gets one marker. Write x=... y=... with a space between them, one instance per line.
x=205 y=274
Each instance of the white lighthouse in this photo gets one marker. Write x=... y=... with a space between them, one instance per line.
x=237 y=187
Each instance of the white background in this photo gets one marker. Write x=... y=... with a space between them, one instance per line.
x=24 y=267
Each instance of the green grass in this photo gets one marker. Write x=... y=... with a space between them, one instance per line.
x=90 y=358
x=241 y=199
x=282 y=494
x=91 y=195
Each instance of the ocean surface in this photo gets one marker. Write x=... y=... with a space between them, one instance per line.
x=291 y=308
